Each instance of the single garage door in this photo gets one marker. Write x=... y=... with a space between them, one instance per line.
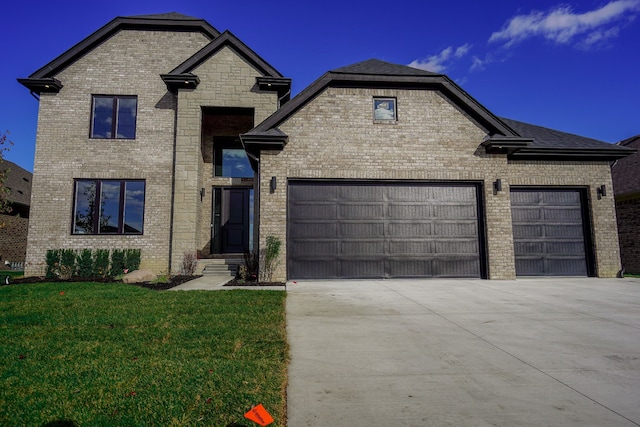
x=549 y=232
x=376 y=230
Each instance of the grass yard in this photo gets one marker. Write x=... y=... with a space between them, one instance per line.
x=118 y=355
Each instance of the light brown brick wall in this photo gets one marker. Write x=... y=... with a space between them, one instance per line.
x=334 y=137
x=226 y=80
x=129 y=63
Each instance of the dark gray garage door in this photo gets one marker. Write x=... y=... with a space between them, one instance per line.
x=549 y=232
x=374 y=230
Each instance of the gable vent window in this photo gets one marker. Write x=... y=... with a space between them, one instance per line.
x=114 y=117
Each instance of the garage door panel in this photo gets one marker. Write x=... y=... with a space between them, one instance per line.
x=361 y=268
x=383 y=230
x=457 y=247
x=410 y=194
x=455 y=211
x=317 y=247
x=462 y=267
x=358 y=229
x=363 y=193
x=314 y=229
x=404 y=247
x=572 y=215
x=358 y=247
x=409 y=211
x=456 y=229
x=410 y=229
x=408 y=267
x=549 y=232
x=315 y=193
x=309 y=211
x=361 y=211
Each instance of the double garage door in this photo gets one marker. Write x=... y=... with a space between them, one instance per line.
x=376 y=230
x=340 y=229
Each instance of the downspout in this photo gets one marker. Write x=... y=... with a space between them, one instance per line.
x=287 y=93
x=34 y=95
x=173 y=184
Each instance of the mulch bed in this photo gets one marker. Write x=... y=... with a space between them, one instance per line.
x=172 y=281
x=236 y=282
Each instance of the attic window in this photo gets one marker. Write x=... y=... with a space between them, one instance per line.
x=384 y=110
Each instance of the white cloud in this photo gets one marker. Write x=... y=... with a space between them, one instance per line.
x=440 y=62
x=562 y=24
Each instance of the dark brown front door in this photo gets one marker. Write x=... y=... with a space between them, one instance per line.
x=231 y=220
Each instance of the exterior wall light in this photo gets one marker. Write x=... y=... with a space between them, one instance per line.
x=601 y=191
x=497 y=185
x=272 y=185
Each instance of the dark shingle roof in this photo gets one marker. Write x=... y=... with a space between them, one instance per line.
x=18 y=182
x=554 y=142
x=381 y=68
x=626 y=172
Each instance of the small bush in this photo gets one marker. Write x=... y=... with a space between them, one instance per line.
x=67 y=263
x=269 y=258
x=189 y=263
x=117 y=263
x=101 y=262
x=85 y=263
x=132 y=259
x=53 y=262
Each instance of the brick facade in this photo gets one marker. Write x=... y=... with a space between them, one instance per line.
x=334 y=137
x=128 y=63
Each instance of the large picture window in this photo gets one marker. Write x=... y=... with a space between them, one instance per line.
x=114 y=117
x=108 y=206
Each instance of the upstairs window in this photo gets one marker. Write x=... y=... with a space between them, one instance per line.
x=108 y=206
x=230 y=159
x=114 y=117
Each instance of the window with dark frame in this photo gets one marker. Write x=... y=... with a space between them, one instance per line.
x=108 y=206
x=229 y=158
x=114 y=117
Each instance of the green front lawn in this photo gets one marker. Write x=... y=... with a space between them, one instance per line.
x=118 y=355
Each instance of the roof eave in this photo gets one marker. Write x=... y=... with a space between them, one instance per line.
x=45 y=85
x=597 y=154
x=180 y=81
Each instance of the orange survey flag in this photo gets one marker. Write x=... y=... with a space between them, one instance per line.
x=259 y=415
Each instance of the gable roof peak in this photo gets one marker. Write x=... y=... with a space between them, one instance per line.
x=169 y=15
x=382 y=68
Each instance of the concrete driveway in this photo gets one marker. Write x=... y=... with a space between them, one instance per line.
x=530 y=352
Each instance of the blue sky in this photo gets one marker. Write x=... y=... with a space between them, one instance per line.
x=571 y=66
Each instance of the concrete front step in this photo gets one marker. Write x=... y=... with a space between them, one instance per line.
x=219 y=267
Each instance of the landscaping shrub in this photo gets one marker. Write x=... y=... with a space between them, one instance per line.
x=67 y=263
x=132 y=259
x=53 y=262
x=85 y=263
x=117 y=263
x=101 y=262
x=270 y=255
x=189 y=263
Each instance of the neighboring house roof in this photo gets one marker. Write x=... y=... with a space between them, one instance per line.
x=18 y=182
x=517 y=139
x=626 y=172
x=43 y=80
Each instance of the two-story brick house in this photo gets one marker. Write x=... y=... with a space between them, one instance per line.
x=161 y=133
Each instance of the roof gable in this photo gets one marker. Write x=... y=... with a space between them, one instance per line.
x=43 y=80
x=182 y=76
x=380 y=74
